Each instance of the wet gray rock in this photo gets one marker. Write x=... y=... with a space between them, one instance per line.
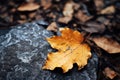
x=23 y=51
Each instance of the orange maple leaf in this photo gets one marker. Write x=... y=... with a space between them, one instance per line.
x=70 y=50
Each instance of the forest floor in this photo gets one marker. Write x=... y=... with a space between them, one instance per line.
x=97 y=20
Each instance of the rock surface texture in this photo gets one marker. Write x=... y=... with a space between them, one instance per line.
x=23 y=51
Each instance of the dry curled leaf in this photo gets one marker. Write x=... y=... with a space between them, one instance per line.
x=109 y=73
x=52 y=27
x=80 y=15
x=68 y=9
x=46 y=4
x=108 y=10
x=67 y=12
x=99 y=4
x=94 y=27
x=107 y=44
x=70 y=50
x=28 y=7
x=64 y=19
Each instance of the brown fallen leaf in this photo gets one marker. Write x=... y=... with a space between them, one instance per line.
x=51 y=15
x=64 y=19
x=46 y=4
x=99 y=4
x=103 y=20
x=67 y=12
x=108 y=10
x=82 y=17
x=76 y=6
x=109 y=73
x=32 y=14
x=94 y=27
x=30 y=6
x=70 y=50
x=107 y=44
x=68 y=9
x=53 y=27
